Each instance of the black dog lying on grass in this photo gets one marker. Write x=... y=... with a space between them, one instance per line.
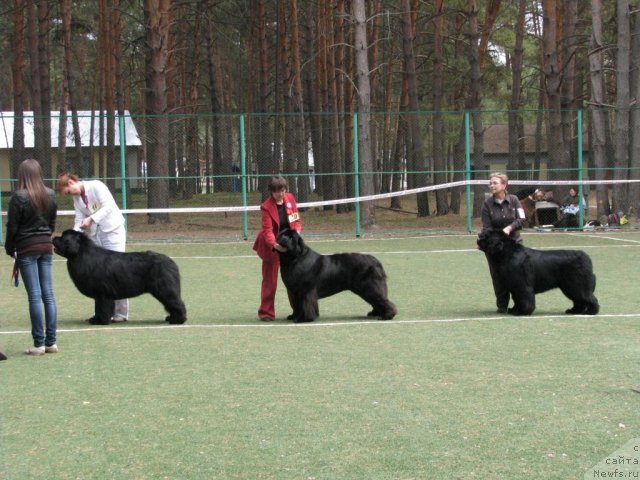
x=527 y=271
x=107 y=276
x=310 y=276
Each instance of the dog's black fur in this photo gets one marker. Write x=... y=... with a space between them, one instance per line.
x=527 y=271
x=310 y=276
x=107 y=276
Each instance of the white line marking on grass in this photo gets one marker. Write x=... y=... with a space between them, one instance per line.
x=614 y=239
x=329 y=324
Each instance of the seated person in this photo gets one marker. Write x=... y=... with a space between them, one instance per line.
x=529 y=207
x=541 y=196
x=545 y=214
x=570 y=207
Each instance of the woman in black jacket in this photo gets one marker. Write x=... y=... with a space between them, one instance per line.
x=501 y=211
x=30 y=225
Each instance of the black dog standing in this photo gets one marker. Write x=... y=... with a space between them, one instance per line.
x=106 y=276
x=526 y=271
x=310 y=276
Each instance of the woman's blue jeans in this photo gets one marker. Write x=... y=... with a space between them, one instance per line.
x=37 y=277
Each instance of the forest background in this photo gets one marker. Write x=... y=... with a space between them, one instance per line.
x=303 y=68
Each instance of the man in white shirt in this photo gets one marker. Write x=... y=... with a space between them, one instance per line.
x=97 y=215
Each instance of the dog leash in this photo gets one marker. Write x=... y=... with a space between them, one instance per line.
x=15 y=277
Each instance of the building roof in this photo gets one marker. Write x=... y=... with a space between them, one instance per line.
x=84 y=120
x=496 y=138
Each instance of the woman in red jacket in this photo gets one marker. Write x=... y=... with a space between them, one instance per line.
x=279 y=212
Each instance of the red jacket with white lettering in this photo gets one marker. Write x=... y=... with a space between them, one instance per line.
x=266 y=239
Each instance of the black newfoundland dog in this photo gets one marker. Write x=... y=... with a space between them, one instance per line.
x=310 y=276
x=107 y=276
x=527 y=271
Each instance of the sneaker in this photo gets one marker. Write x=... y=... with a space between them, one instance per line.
x=2 y=356
x=266 y=319
x=35 y=351
x=502 y=310
x=118 y=319
x=51 y=349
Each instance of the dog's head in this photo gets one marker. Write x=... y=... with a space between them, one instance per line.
x=69 y=243
x=495 y=243
x=293 y=242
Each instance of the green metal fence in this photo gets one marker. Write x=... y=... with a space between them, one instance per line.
x=174 y=173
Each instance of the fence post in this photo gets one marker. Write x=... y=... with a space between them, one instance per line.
x=243 y=174
x=356 y=172
x=580 y=172
x=123 y=164
x=467 y=167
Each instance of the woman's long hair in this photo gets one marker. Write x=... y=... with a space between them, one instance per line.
x=30 y=179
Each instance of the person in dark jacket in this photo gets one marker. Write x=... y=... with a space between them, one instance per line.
x=570 y=208
x=31 y=220
x=501 y=211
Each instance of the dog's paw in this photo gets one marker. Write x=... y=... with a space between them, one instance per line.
x=175 y=321
x=303 y=320
x=519 y=312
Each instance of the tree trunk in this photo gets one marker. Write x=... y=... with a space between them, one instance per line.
x=325 y=158
x=473 y=104
x=45 y=88
x=312 y=96
x=119 y=93
x=558 y=152
x=111 y=38
x=68 y=96
x=264 y=129
x=17 y=68
x=341 y=96
x=567 y=38
x=515 y=164
x=634 y=150
x=619 y=194
x=439 y=163
x=367 y=218
x=157 y=21
x=598 y=113
x=34 y=71
x=297 y=107
x=191 y=86
x=417 y=165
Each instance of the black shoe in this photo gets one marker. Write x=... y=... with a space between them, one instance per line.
x=502 y=310
x=2 y=356
x=95 y=321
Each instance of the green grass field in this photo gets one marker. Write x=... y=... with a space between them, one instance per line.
x=448 y=389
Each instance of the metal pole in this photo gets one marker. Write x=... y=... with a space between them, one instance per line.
x=1 y=221
x=123 y=164
x=243 y=173
x=356 y=171
x=580 y=172
x=467 y=166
